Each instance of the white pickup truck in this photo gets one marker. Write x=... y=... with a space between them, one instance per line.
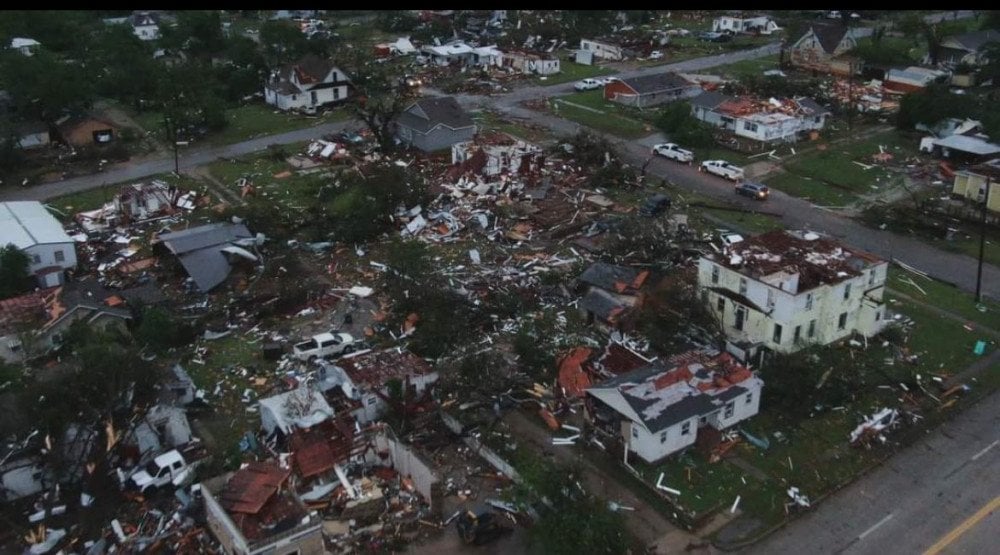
x=674 y=152
x=722 y=168
x=169 y=469
x=324 y=345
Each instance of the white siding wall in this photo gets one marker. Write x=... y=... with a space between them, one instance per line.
x=147 y=32
x=652 y=446
x=601 y=50
x=741 y=408
x=46 y=256
x=303 y=100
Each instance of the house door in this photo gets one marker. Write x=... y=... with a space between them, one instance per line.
x=741 y=314
x=312 y=97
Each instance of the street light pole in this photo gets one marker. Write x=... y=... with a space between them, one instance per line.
x=982 y=243
x=172 y=137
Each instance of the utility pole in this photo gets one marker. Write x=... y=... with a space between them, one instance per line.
x=982 y=243
x=172 y=137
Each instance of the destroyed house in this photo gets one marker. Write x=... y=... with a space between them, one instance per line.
x=785 y=290
x=456 y=52
x=972 y=184
x=650 y=90
x=609 y=48
x=761 y=120
x=539 y=63
x=137 y=203
x=658 y=410
x=363 y=378
x=307 y=84
x=254 y=510
x=205 y=251
x=434 y=123
x=823 y=48
x=759 y=24
x=32 y=229
x=495 y=153
x=298 y=409
x=967 y=47
x=610 y=293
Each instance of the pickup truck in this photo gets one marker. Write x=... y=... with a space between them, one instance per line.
x=169 y=469
x=722 y=168
x=324 y=345
x=674 y=152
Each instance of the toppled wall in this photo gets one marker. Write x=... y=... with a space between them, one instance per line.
x=409 y=465
x=483 y=451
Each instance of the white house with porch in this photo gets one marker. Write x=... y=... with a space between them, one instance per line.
x=308 y=84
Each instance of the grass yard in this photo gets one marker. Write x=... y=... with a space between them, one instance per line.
x=492 y=121
x=744 y=222
x=745 y=68
x=945 y=296
x=571 y=71
x=830 y=176
x=273 y=178
x=615 y=124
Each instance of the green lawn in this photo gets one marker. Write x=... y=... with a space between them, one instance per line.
x=96 y=198
x=830 y=176
x=607 y=122
x=744 y=222
x=492 y=121
x=571 y=71
x=946 y=297
x=745 y=68
x=247 y=122
x=267 y=174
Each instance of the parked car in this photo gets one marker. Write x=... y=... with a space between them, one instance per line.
x=722 y=168
x=655 y=55
x=758 y=191
x=324 y=345
x=607 y=80
x=655 y=205
x=674 y=152
x=711 y=36
x=587 y=84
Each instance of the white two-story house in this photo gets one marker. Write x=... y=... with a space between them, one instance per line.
x=658 y=410
x=306 y=85
x=31 y=228
x=785 y=290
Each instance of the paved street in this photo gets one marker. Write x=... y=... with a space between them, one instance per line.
x=931 y=493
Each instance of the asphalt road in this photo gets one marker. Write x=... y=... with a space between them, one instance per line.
x=937 y=493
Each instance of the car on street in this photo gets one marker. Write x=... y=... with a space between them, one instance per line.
x=655 y=55
x=587 y=84
x=674 y=152
x=655 y=205
x=754 y=190
x=722 y=168
x=608 y=80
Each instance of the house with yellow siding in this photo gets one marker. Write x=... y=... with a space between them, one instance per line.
x=972 y=184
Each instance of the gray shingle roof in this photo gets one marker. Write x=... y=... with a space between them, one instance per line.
x=181 y=242
x=604 y=275
x=428 y=113
x=656 y=83
x=829 y=36
x=710 y=99
x=975 y=40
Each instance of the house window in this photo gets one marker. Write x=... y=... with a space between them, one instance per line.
x=748 y=399
x=777 y=334
x=809 y=301
x=752 y=127
x=703 y=420
x=847 y=291
x=60 y=257
x=715 y=274
x=730 y=408
x=878 y=316
x=871 y=277
x=36 y=259
x=770 y=298
x=663 y=436
x=743 y=286
x=686 y=428
x=334 y=75
x=635 y=432
x=741 y=314
x=295 y=97
x=842 y=321
x=372 y=401
x=721 y=304
x=812 y=329
x=313 y=99
x=336 y=93
x=796 y=334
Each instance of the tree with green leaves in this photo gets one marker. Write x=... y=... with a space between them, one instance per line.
x=676 y=121
x=361 y=203
x=44 y=86
x=14 y=276
x=673 y=311
x=159 y=330
x=379 y=95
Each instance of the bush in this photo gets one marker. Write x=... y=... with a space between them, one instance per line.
x=677 y=123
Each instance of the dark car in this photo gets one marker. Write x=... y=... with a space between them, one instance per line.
x=711 y=36
x=655 y=205
x=758 y=191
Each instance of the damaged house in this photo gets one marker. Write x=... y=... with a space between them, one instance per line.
x=364 y=379
x=538 y=63
x=611 y=294
x=785 y=290
x=766 y=121
x=966 y=48
x=207 y=252
x=434 y=123
x=31 y=228
x=754 y=24
x=823 y=48
x=255 y=510
x=137 y=203
x=308 y=84
x=660 y=409
x=297 y=409
x=492 y=154
x=971 y=184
